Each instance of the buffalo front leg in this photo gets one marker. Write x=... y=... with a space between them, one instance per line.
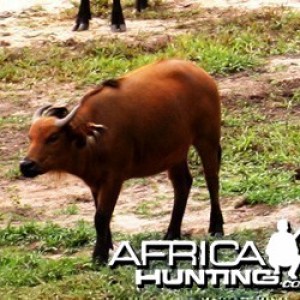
x=210 y=153
x=182 y=181
x=83 y=16
x=117 y=18
x=106 y=200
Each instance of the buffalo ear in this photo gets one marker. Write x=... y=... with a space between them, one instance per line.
x=58 y=112
x=93 y=129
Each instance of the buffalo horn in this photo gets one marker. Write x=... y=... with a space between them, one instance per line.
x=39 y=112
x=68 y=118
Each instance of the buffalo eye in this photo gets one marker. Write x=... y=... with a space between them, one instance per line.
x=52 y=138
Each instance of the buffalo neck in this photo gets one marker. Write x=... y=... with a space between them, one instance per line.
x=82 y=162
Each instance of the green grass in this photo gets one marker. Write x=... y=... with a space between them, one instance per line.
x=260 y=155
x=16 y=122
x=51 y=237
x=220 y=47
x=71 y=209
x=295 y=99
x=27 y=273
x=151 y=209
x=24 y=268
x=12 y=173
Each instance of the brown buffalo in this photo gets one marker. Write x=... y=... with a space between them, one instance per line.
x=138 y=125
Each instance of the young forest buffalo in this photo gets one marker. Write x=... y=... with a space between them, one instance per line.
x=138 y=125
x=117 y=18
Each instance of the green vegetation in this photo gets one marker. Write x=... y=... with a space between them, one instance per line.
x=51 y=237
x=260 y=154
x=27 y=272
x=18 y=122
x=71 y=209
x=13 y=172
x=221 y=47
x=260 y=162
x=151 y=209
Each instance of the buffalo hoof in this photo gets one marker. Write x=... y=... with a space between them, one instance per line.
x=100 y=260
x=81 y=26
x=217 y=234
x=118 y=28
x=216 y=229
x=100 y=256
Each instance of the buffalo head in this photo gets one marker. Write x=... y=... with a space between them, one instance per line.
x=52 y=138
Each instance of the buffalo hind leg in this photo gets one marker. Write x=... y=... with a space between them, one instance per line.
x=117 y=18
x=83 y=16
x=182 y=181
x=106 y=200
x=210 y=154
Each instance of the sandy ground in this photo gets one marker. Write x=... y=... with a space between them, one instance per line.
x=44 y=199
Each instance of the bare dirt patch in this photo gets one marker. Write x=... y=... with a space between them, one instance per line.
x=280 y=79
x=43 y=200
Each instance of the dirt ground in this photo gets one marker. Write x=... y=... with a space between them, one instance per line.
x=47 y=198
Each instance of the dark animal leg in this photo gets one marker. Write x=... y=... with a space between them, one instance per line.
x=95 y=196
x=117 y=18
x=83 y=16
x=210 y=154
x=182 y=181
x=141 y=4
x=106 y=201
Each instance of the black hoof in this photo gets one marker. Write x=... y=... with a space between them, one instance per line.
x=81 y=26
x=217 y=234
x=216 y=229
x=118 y=28
x=100 y=260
